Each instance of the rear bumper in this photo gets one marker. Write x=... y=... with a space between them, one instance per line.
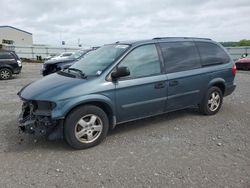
x=17 y=70
x=243 y=66
x=229 y=90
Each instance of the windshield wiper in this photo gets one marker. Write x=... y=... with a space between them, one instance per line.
x=78 y=71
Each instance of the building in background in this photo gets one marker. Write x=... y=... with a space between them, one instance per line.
x=21 y=42
x=14 y=36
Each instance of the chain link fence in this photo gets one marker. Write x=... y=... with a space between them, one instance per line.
x=42 y=51
x=37 y=52
x=237 y=52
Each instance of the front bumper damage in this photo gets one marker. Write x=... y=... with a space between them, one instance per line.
x=35 y=118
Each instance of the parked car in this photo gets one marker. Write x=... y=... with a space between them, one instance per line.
x=58 y=64
x=9 y=64
x=243 y=63
x=62 y=55
x=126 y=81
x=50 y=57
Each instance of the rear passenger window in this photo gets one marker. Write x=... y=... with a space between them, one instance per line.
x=5 y=55
x=142 y=61
x=211 y=54
x=180 y=56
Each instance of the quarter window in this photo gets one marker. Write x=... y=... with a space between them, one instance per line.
x=180 y=56
x=142 y=61
x=211 y=54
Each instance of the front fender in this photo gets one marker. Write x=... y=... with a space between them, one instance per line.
x=64 y=106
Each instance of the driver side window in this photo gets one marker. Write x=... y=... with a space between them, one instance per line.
x=142 y=61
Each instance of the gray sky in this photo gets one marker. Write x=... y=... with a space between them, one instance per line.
x=96 y=22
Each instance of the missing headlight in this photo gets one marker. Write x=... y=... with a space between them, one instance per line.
x=45 y=105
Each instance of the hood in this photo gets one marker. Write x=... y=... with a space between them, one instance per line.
x=243 y=60
x=50 y=87
x=55 y=61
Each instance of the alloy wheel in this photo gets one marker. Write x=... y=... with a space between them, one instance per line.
x=88 y=128
x=214 y=101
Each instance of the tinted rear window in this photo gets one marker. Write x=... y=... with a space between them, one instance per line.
x=6 y=55
x=180 y=56
x=211 y=54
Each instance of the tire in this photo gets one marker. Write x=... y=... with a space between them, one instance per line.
x=5 y=74
x=212 y=101
x=83 y=122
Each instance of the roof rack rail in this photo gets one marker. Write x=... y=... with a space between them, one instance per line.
x=158 y=38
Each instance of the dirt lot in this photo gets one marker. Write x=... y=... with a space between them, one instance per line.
x=179 y=149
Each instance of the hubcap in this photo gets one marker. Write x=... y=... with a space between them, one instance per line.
x=214 y=101
x=88 y=128
x=5 y=74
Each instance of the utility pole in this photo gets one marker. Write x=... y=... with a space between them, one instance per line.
x=79 y=42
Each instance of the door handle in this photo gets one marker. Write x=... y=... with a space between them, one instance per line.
x=159 y=85
x=173 y=83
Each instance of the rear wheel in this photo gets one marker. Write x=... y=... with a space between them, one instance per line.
x=212 y=102
x=5 y=74
x=86 y=126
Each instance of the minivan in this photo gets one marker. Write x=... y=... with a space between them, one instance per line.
x=10 y=64
x=126 y=81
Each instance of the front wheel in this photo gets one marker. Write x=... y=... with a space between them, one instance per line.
x=86 y=126
x=212 y=102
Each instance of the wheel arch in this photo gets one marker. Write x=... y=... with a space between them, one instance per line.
x=105 y=106
x=7 y=67
x=218 y=82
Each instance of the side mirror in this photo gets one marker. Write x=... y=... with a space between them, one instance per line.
x=120 y=72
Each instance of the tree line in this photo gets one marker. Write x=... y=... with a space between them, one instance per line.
x=243 y=42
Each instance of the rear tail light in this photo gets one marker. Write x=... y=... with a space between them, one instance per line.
x=19 y=62
x=234 y=70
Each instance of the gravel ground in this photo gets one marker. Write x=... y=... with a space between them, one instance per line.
x=179 y=149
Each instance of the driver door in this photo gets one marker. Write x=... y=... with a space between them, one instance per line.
x=142 y=93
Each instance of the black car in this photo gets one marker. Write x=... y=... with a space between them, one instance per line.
x=9 y=64
x=58 y=64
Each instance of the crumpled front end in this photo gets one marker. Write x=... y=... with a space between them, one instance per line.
x=49 y=69
x=35 y=118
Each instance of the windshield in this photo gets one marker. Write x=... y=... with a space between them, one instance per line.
x=97 y=61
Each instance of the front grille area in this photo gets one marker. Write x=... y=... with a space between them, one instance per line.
x=33 y=122
x=51 y=68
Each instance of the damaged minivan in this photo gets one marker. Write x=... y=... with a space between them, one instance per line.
x=126 y=81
